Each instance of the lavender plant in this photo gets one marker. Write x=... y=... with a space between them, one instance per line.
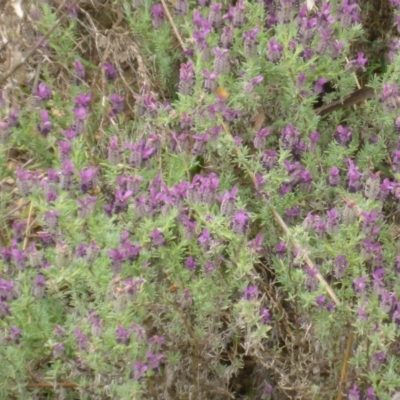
x=181 y=223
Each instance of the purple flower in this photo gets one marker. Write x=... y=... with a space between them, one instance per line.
x=139 y=370
x=65 y=150
x=186 y=300
x=209 y=267
x=396 y=159
x=200 y=142
x=250 y=293
x=252 y=83
x=186 y=78
x=269 y=159
x=19 y=257
x=319 y=85
x=354 y=183
x=157 y=13
x=157 y=238
x=386 y=300
x=70 y=134
x=51 y=218
x=140 y=153
x=307 y=29
x=226 y=39
x=230 y=115
x=280 y=249
x=121 y=200
x=117 y=257
x=88 y=179
x=113 y=155
x=39 y=286
x=314 y=137
x=123 y=335
x=59 y=331
x=240 y=222
x=82 y=100
x=377 y=360
x=72 y=9
x=81 y=113
x=311 y=281
x=19 y=230
x=189 y=227
x=228 y=201
x=110 y=72
x=250 y=42
x=140 y=332
x=80 y=73
x=154 y=360
x=86 y=206
x=260 y=138
x=4 y=309
x=58 y=350
x=307 y=54
x=14 y=335
x=290 y=137
x=389 y=97
x=182 y=7
x=348 y=15
x=371 y=249
x=26 y=181
x=332 y=223
x=362 y=314
x=336 y=49
x=210 y=81
x=265 y=316
x=293 y=213
x=81 y=339
x=8 y=291
x=46 y=238
x=396 y=314
x=274 y=51
x=156 y=342
x=117 y=104
x=320 y=300
x=256 y=243
x=357 y=64
x=342 y=135
x=325 y=41
x=330 y=306
x=354 y=393
x=13 y=118
x=43 y=91
x=191 y=264
x=131 y=287
x=81 y=250
x=369 y=219
x=377 y=281
x=238 y=14
x=360 y=285
x=215 y=15
x=45 y=126
x=205 y=239
x=221 y=61
x=334 y=177
x=370 y=395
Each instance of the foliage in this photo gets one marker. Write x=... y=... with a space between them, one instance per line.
x=183 y=224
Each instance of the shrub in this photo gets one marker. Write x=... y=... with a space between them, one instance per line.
x=186 y=222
